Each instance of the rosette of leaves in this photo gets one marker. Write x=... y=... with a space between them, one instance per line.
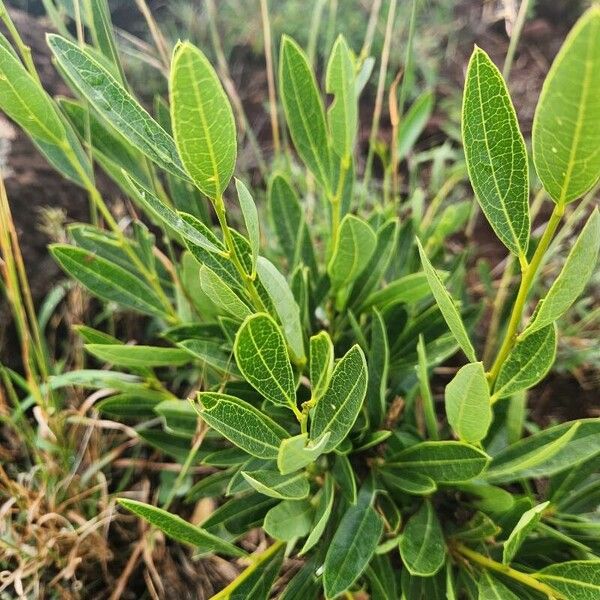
x=300 y=341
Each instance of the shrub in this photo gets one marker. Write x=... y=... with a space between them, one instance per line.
x=310 y=348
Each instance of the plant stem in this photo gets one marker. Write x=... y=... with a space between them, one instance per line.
x=369 y=34
x=24 y=50
x=264 y=10
x=527 y=278
x=524 y=578
x=157 y=36
x=336 y=200
x=514 y=38
x=426 y=397
x=408 y=60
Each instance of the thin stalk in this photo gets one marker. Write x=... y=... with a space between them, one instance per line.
x=330 y=32
x=157 y=36
x=336 y=200
x=370 y=32
x=409 y=58
x=426 y=397
x=524 y=578
x=529 y=272
x=313 y=34
x=385 y=56
x=23 y=49
x=437 y=200
x=514 y=39
x=266 y=24
x=395 y=121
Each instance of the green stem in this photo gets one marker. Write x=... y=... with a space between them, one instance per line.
x=488 y=563
x=529 y=272
x=514 y=38
x=336 y=201
x=24 y=50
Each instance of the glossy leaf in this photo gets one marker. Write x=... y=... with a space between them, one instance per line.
x=138 y=356
x=261 y=356
x=338 y=408
x=409 y=482
x=528 y=362
x=447 y=306
x=576 y=579
x=321 y=363
x=242 y=424
x=527 y=523
x=422 y=545
x=203 y=125
x=322 y=514
x=566 y=127
x=495 y=153
x=304 y=111
x=180 y=530
x=285 y=487
x=290 y=519
x=468 y=404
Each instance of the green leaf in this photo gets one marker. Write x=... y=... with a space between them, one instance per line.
x=495 y=153
x=444 y=462
x=356 y=243
x=566 y=127
x=107 y=280
x=203 y=124
x=528 y=362
x=242 y=424
x=210 y=352
x=547 y=452
x=113 y=103
x=526 y=524
x=338 y=408
x=321 y=363
x=490 y=588
x=576 y=579
x=222 y=295
x=180 y=530
x=343 y=473
x=378 y=363
x=290 y=519
x=352 y=546
x=24 y=100
x=478 y=528
x=285 y=487
x=422 y=546
x=138 y=356
x=298 y=451
x=304 y=111
x=322 y=514
x=572 y=279
x=409 y=289
x=409 y=482
x=468 y=404
x=413 y=123
x=262 y=358
x=343 y=111
x=250 y=215
x=179 y=416
x=285 y=306
x=447 y=306
x=138 y=404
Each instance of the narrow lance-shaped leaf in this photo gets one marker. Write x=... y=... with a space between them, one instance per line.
x=285 y=487
x=527 y=523
x=413 y=123
x=566 y=127
x=222 y=295
x=573 y=278
x=203 y=124
x=110 y=99
x=322 y=514
x=495 y=153
x=180 y=530
x=138 y=356
x=378 y=363
x=468 y=404
x=241 y=424
x=250 y=215
x=261 y=356
x=338 y=408
x=447 y=306
x=304 y=111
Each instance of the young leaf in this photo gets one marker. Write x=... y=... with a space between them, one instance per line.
x=321 y=363
x=422 y=545
x=290 y=519
x=468 y=404
x=490 y=588
x=495 y=153
x=413 y=123
x=250 y=215
x=180 y=530
x=444 y=462
x=241 y=424
x=527 y=523
x=203 y=125
x=262 y=357
x=304 y=111
x=356 y=243
x=273 y=484
x=378 y=363
x=338 y=408
x=447 y=306
x=107 y=280
x=222 y=295
x=298 y=451
x=138 y=356
x=528 y=362
x=352 y=546
x=576 y=579
x=566 y=128
x=343 y=112
x=285 y=305
x=322 y=514
x=573 y=278
x=112 y=101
